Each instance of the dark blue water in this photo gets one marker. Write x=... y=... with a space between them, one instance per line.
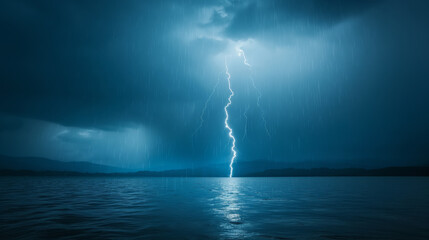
x=214 y=208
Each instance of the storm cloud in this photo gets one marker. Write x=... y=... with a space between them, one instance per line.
x=125 y=83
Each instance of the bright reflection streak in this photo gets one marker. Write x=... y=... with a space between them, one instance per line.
x=231 y=209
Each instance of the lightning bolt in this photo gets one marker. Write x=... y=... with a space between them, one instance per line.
x=258 y=92
x=205 y=107
x=245 y=123
x=234 y=153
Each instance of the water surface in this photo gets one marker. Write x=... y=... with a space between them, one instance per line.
x=214 y=208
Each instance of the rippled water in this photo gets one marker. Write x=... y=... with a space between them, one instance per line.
x=214 y=208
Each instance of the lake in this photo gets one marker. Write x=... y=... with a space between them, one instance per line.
x=214 y=208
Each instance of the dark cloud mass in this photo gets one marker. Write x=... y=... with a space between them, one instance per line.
x=259 y=18
x=125 y=82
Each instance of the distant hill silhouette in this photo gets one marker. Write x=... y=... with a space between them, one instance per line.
x=43 y=164
x=326 y=172
x=45 y=167
x=389 y=171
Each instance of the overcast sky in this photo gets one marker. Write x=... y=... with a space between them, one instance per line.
x=125 y=83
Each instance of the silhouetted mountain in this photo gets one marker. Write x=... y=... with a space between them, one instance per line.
x=291 y=172
x=390 y=171
x=43 y=164
x=42 y=167
x=244 y=167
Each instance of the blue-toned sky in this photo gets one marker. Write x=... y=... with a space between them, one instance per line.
x=125 y=83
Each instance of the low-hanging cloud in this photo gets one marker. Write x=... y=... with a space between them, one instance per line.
x=115 y=66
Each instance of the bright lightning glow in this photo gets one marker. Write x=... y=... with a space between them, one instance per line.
x=234 y=153
x=258 y=104
x=241 y=54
